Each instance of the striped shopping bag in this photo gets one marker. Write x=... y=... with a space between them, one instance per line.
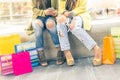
x=6 y=64
x=115 y=32
x=31 y=48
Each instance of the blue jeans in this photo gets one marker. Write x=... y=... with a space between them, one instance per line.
x=39 y=29
x=77 y=31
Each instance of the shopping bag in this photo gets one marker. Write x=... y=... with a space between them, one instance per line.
x=109 y=56
x=21 y=63
x=8 y=42
x=117 y=47
x=31 y=48
x=34 y=58
x=6 y=64
x=115 y=32
x=25 y=46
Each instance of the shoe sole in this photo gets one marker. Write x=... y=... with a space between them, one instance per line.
x=70 y=62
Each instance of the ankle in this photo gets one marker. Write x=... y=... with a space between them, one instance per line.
x=97 y=52
x=58 y=48
x=42 y=58
x=96 y=47
x=67 y=52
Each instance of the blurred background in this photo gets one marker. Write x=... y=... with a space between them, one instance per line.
x=101 y=9
x=15 y=11
x=19 y=11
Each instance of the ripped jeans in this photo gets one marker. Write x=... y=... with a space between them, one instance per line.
x=39 y=29
x=77 y=31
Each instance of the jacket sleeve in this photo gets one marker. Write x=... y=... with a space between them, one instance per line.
x=36 y=10
x=82 y=4
x=61 y=6
x=54 y=4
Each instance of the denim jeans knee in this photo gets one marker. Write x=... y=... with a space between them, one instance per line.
x=53 y=32
x=38 y=33
x=64 y=41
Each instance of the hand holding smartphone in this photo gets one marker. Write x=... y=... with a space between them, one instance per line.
x=53 y=12
x=51 y=9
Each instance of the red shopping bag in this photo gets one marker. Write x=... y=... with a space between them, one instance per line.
x=21 y=63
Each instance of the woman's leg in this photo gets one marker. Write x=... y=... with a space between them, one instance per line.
x=64 y=41
x=38 y=28
x=84 y=37
x=51 y=27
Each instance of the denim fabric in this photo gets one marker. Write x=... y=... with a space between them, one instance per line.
x=77 y=31
x=40 y=29
x=64 y=41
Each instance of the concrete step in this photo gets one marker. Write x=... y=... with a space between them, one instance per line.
x=100 y=28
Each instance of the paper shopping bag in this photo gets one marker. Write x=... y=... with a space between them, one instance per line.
x=25 y=46
x=115 y=32
x=31 y=48
x=21 y=63
x=109 y=55
x=6 y=64
x=8 y=42
x=117 y=47
x=34 y=58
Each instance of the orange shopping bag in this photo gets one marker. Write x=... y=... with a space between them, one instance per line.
x=109 y=56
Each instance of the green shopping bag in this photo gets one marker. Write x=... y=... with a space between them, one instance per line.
x=115 y=32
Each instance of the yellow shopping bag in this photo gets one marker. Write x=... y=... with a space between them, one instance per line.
x=8 y=42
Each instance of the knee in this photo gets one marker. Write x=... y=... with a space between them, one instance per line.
x=37 y=22
x=61 y=19
x=50 y=24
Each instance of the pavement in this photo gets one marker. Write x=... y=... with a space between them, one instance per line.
x=82 y=70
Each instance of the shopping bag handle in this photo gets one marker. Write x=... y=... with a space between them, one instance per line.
x=6 y=59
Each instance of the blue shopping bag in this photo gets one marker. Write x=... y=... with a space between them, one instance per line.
x=31 y=48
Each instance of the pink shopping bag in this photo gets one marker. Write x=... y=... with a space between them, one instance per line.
x=6 y=64
x=21 y=63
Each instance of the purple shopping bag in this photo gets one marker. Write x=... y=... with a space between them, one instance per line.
x=21 y=63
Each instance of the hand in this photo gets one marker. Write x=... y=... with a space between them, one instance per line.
x=66 y=13
x=54 y=13
x=47 y=12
